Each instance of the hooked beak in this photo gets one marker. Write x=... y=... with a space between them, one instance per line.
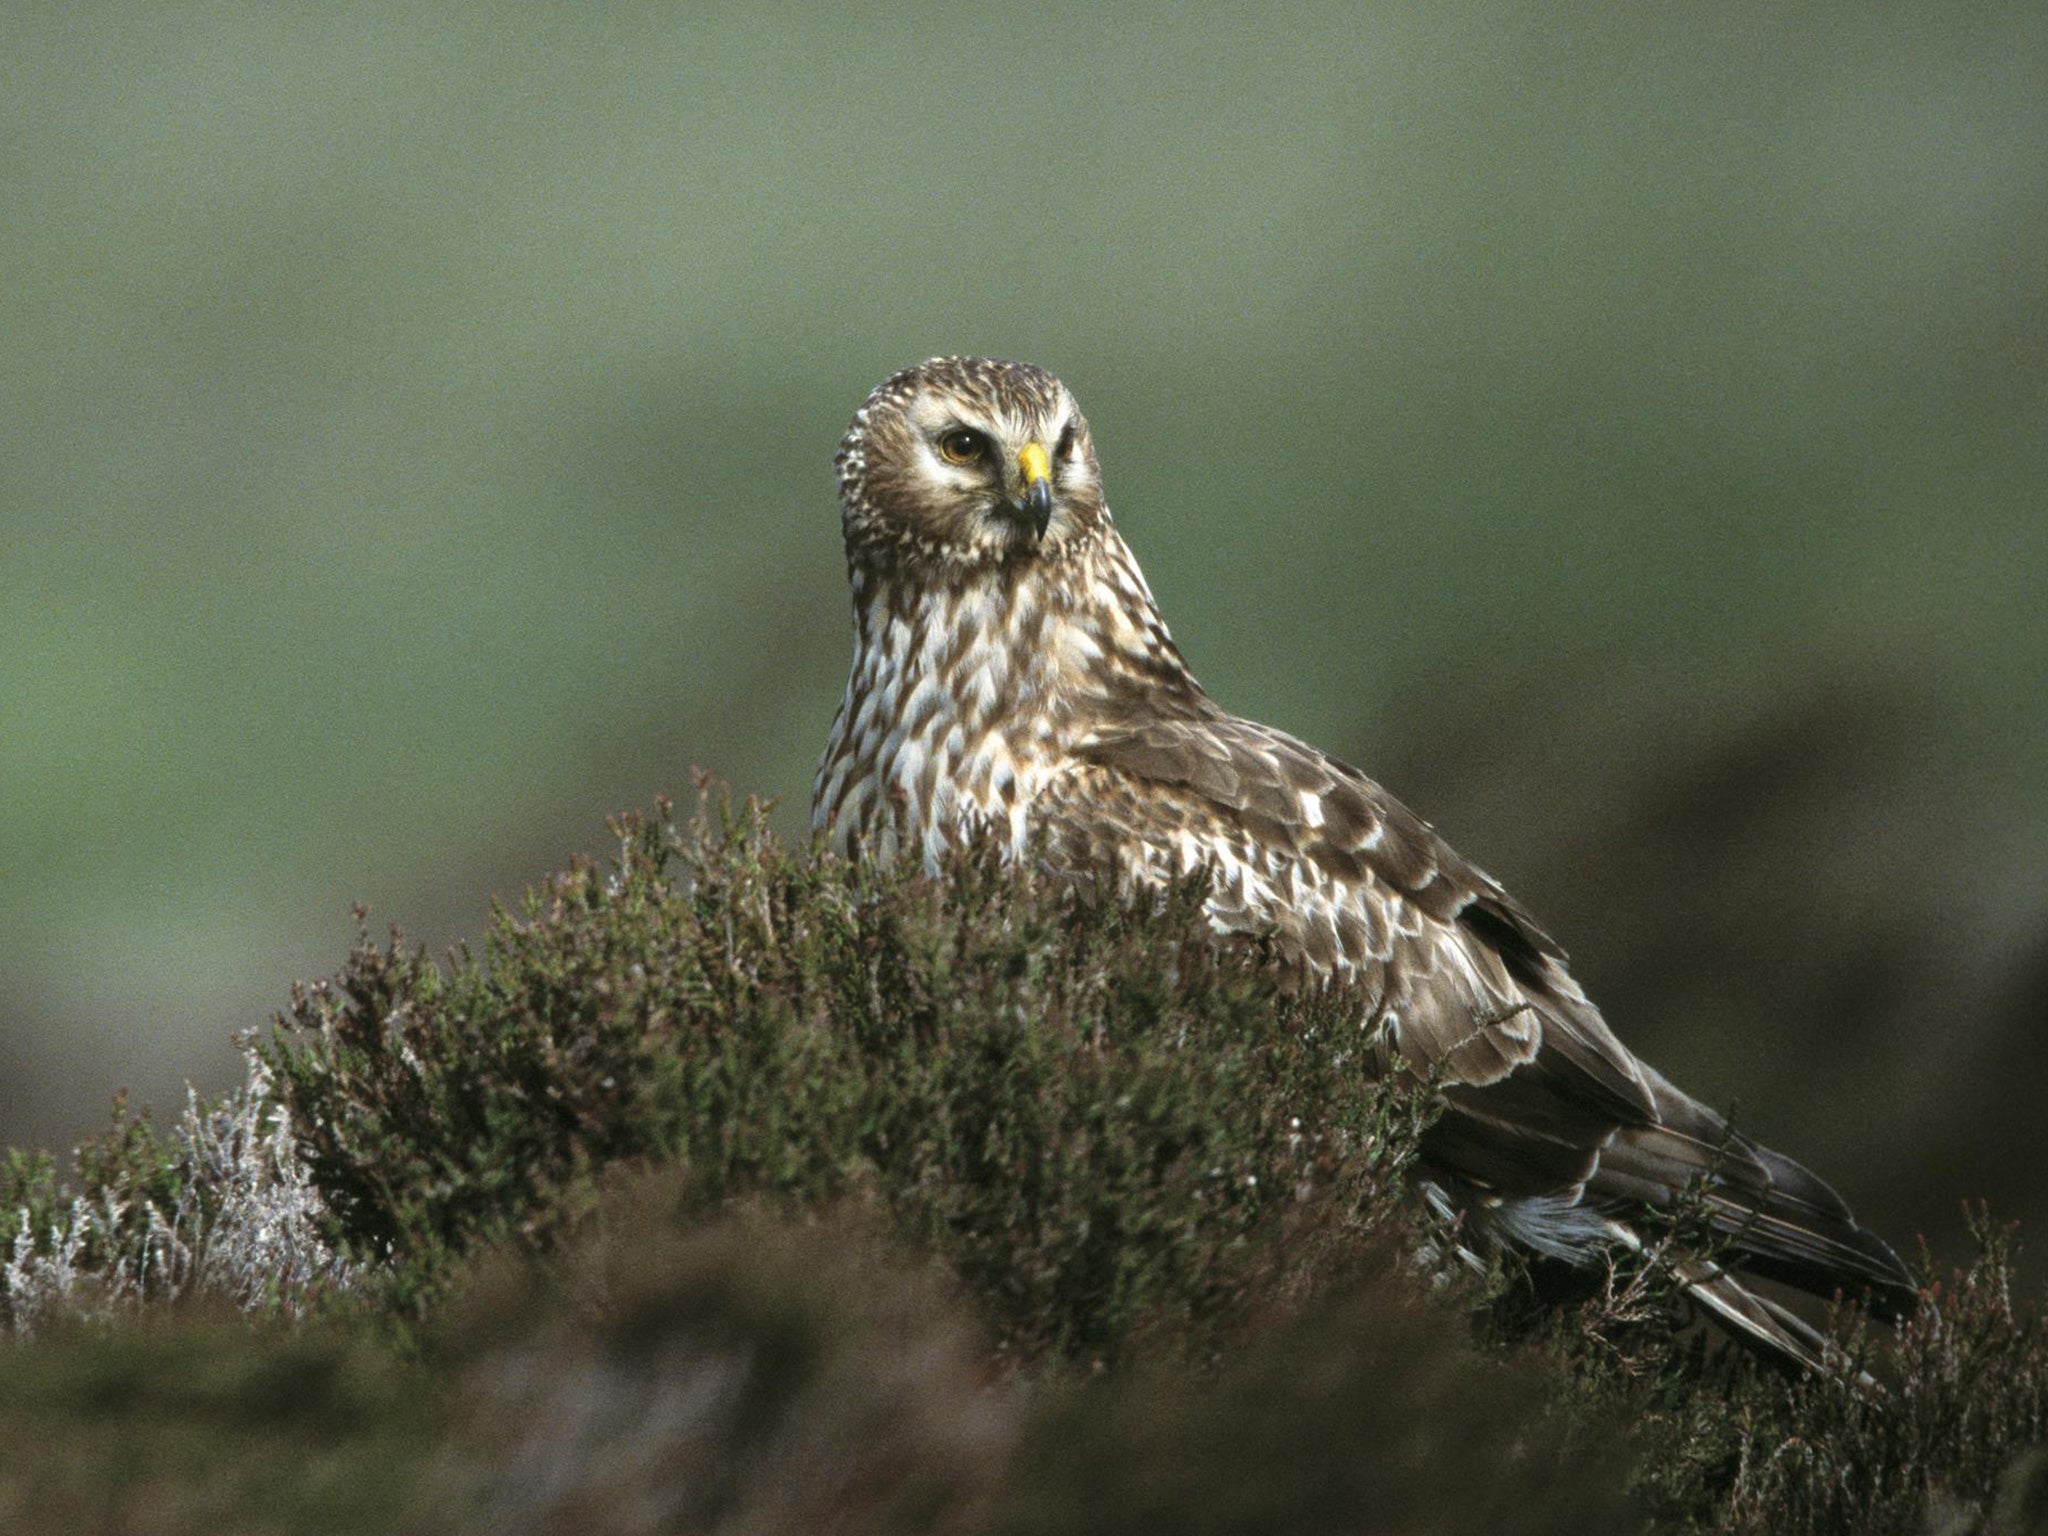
x=1037 y=470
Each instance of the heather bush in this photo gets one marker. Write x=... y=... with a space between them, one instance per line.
x=731 y=1188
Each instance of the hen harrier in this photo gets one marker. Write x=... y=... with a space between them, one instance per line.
x=1012 y=677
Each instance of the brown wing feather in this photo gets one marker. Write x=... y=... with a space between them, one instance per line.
x=1541 y=1098
x=1446 y=949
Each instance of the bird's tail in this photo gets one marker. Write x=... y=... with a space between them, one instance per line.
x=1756 y=1318
x=1778 y=1219
x=1579 y=1235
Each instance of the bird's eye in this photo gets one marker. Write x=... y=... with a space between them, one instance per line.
x=1066 y=443
x=963 y=445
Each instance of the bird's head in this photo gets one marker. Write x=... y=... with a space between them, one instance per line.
x=966 y=461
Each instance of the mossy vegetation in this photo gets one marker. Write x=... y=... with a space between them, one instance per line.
x=730 y=1188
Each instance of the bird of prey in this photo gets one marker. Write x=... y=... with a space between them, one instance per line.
x=1012 y=678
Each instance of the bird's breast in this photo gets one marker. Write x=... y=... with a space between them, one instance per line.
x=949 y=729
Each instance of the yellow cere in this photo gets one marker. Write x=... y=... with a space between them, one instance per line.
x=1031 y=458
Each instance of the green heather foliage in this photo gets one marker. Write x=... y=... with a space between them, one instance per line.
x=734 y=1189
x=1957 y=1420
x=1098 y=1118
x=121 y=1178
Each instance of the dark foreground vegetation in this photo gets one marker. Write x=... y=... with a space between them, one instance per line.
x=733 y=1190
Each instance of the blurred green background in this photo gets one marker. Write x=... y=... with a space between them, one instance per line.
x=1622 y=432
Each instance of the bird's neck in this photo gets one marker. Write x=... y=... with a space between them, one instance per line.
x=971 y=687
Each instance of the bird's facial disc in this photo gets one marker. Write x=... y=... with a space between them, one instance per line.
x=994 y=473
x=969 y=460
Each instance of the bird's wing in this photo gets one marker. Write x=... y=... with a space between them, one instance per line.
x=1541 y=1099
